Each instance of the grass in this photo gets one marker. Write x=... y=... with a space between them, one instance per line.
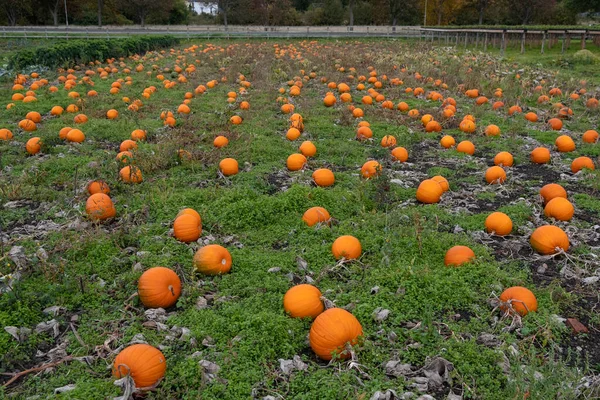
x=91 y=269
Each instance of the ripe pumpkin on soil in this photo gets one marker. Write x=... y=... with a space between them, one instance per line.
x=212 y=259
x=331 y=331
x=498 y=223
x=323 y=177
x=229 y=166
x=145 y=364
x=347 y=247
x=316 y=215
x=303 y=301
x=159 y=287
x=458 y=255
x=518 y=299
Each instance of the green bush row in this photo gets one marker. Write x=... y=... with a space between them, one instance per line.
x=68 y=53
x=528 y=27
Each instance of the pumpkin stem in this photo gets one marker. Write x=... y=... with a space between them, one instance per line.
x=327 y=303
x=172 y=290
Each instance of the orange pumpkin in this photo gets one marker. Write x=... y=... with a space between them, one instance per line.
x=400 y=154
x=220 y=141
x=229 y=166
x=458 y=255
x=329 y=100
x=447 y=141
x=131 y=174
x=551 y=191
x=504 y=158
x=498 y=223
x=466 y=147
x=75 y=136
x=582 y=162
x=303 y=301
x=565 y=144
x=308 y=149
x=429 y=191
x=590 y=136
x=364 y=132
x=236 y=120
x=370 y=169
x=138 y=134
x=27 y=125
x=540 y=155
x=323 y=177
x=518 y=299
x=292 y=134
x=492 y=130
x=548 y=239
x=316 y=215
x=212 y=259
x=159 y=287
x=296 y=162
x=443 y=182
x=555 y=123
x=531 y=117
x=80 y=119
x=495 y=175
x=98 y=186
x=559 y=208
x=332 y=331
x=5 y=134
x=33 y=145
x=56 y=111
x=347 y=247
x=388 y=141
x=187 y=228
x=145 y=364
x=112 y=114
x=100 y=207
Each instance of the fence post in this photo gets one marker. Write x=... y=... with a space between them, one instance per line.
x=543 y=41
x=46 y=31
x=523 y=41
x=485 y=42
x=466 y=38
x=503 y=43
x=583 y=38
x=564 y=39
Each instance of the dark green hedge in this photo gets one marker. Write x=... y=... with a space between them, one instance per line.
x=528 y=27
x=68 y=53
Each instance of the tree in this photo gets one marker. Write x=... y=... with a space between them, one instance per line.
x=439 y=10
x=481 y=7
x=100 y=6
x=14 y=9
x=141 y=9
x=223 y=7
x=333 y=12
x=351 y=10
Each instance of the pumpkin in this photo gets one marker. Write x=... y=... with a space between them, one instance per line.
x=187 y=228
x=212 y=259
x=492 y=130
x=358 y=113
x=100 y=207
x=131 y=174
x=98 y=186
x=331 y=331
x=244 y=105
x=323 y=177
x=302 y=301
x=56 y=111
x=127 y=145
x=590 y=136
x=582 y=162
x=329 y=100
x=531 y=117
x=495 y=175
x=565 y=144
x=370 y=169
x=504 y=158
x=296 y=162
x=228 y=166
x=498 y=223
x=555 y=123
x=5 y=134
x=220 y=141
x=316 y=215
x=308 y=149
x=467 y=126
x=559 y=208
x=447 y=141
x=125 y=157
x=400 y=154
x=34 y=116
x=540 y=155
x=364 y=132
x=458 y=255
x=236 y=120
x=138 y=134
x=80 y=119
x=75 y=136
x=433 y=126
x=33 y=145
x=551 y=191
x=518 y=299
x=347 y=247
x=548 y=238
x=292 y=134
x=112 y=114
x=388 y=141
x=466 y=147
x=27 y=125
x=145 y=364
x=429 y=191
x=443 y=182
x=159 y=287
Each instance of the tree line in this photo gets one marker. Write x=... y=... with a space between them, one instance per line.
x=298 y=12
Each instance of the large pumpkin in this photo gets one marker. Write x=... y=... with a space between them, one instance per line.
x=559 y=208
x=315 y=215
x=458 y=255
x=551 y=191
x=518 y=299
x=159 y=287
x=212 y=259
x=540 y=155
x=296 y=162
x=145 y=364
x=582 y=162
x=429 y=191
x=347 y=247
x=187 y=228
x=303 y=301
x=100 y=207
x=498 y=223
x=548 y=239
x=331 y=331
x=495 y=175
x=131 y=174
x=229 y=166
x=323 y=177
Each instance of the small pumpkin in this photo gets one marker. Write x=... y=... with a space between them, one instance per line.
x=33 y=145
x=548 y=239
x=131 y=174
x=370 y=169
x=145 y=364
x=323 y=177
x=498 y=223
x=458 y=255
x=220 y=141
x=590 y=136
x=308 y=149
x=332 y=331
x=159 y=287
x=236 y=120
x=80 y=119
x=582 y=162
x=128 y=145
x=303 y=301
x=495 y=175
x=5 y=134
x=540 y=155
x=492 y=130
x=100 y=207
x=388 y=141
x=518 y=299
x=212 y=259
x=447 y=141
x=564 y=144
x=346 y=246
x=551 y=191
x=125 y=157
x=504 y=159
x=138 y=134
x=400 y=154
x=75 y=136
x=229 y=166
x=186 y=228
x=429 y=191
x=34 y=116
x=466 y=147
x=296 y=162
x=443 y=182
x=98 y=186
x=560 y=209
x=555 y=123
x=112 y=114
x=316 y=215
x=364 y=132
x=27 y=125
